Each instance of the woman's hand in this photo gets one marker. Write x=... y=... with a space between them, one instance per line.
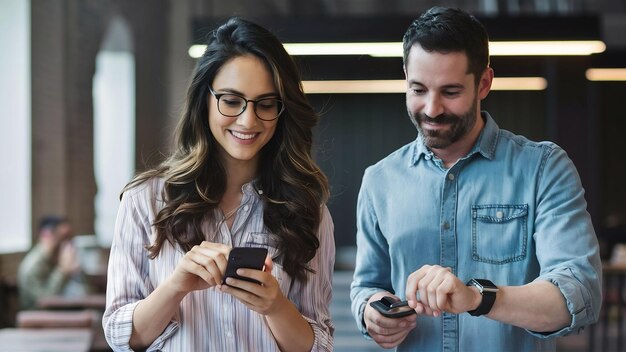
x=200 y=268
x=265 y=298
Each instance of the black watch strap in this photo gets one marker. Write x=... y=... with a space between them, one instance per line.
x=488 y=290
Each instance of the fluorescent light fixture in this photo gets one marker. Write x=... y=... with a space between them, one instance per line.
x=551 y=48
x=394 y=49
x=373 y=49
x=606 y=74
x=354 y=86
x=196 y=50
x=519 y=83
x=399 y=85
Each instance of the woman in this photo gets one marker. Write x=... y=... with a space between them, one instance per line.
x=242 y=175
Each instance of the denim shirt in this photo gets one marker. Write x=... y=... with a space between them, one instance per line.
x=512 y=211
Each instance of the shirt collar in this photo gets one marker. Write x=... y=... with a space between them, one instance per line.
x=251 y=189
x=485 y=145
x=488 y=139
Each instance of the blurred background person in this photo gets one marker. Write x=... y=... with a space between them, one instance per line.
x=52 y=267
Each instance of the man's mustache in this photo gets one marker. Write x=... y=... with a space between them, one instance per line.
x=440 y=119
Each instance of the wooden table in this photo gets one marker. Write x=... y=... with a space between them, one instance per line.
x=93 y=301
x=45 y=340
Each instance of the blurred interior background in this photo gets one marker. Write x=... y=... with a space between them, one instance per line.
x=91 y=90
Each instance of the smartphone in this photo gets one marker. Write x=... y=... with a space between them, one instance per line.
x=244 y=257
x=392 y=307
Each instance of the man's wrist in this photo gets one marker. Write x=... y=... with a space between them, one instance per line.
x=477 y=298
x=487 y=290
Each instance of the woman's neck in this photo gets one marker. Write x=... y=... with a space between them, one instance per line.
x=238 y=173
x=236 y=177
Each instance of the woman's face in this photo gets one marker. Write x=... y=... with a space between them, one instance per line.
x=242 y=137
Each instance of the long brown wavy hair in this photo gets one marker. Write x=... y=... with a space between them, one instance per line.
x=294 y=187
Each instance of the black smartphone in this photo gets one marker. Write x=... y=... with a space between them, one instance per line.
x=244 y=257
x=392 y=307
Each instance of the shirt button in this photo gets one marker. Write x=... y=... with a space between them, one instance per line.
x=451 y=177
x=446 y=225
x=427 y=157
x=246 y=207
x=229 y=334
x=499 y=215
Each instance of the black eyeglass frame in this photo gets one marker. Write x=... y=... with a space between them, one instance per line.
x=245 y=106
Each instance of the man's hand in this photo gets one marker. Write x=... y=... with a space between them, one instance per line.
x=68 y=259
x=387 y=332
x=440 y=291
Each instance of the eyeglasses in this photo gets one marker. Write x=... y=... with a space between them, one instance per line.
x=231 y=105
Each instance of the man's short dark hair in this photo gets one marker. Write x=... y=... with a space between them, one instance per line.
x=51 y=222
x=445 y=30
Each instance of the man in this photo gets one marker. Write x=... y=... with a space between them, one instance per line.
x=51 y=267
x=468 y=200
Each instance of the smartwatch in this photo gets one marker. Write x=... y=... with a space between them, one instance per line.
x=488 y=290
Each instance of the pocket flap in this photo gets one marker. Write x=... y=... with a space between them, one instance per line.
x=499 y=212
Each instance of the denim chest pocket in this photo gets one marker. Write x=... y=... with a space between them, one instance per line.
x=499 y=233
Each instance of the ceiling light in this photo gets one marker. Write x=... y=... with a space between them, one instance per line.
x=399 y=85
x=354 y=86
x=519 y=83
x=606 y=74
x=552 y=48
x=373 y=49
x=195 y=51
x=394 y=49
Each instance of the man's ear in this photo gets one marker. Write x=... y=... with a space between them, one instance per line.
x=484 y=85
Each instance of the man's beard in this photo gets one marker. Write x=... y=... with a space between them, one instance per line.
x=439 y=139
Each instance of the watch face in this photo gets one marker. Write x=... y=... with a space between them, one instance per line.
x=485 y=285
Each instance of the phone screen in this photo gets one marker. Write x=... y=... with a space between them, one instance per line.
x=392 y=307
x=244 y=257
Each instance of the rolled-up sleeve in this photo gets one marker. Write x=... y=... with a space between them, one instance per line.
x=314 y=299
x=372 y=265
x=127 y=278
x=567 y=248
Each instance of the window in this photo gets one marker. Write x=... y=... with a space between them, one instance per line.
x=15 y=127
x=114 y=125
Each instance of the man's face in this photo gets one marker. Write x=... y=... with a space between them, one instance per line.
x=63 y=232
x=442 y=98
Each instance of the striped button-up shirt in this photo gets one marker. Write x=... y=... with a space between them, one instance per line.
x=208 y=320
